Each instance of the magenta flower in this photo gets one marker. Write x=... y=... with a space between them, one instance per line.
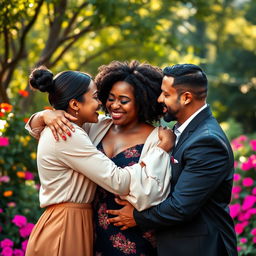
x=243 y=240
x=248 y=202
x=7 y=251
x=254 y=240
x=4 y=142
x=29 y=175
x=5 y=179
x=253 y=144
x=246 y=166
x=235 y=164
x=236 y=190
x=254 y=191
x=253 y=232
x=234 y=210
x=239 y=228
x=18 y=252
x=248 y=182
x=242 y=138
x=1 y=210
x=26 y=230
x=19 y=220
x=239 y=248
x=237 y=177
x=24 y=245
x=6 y=243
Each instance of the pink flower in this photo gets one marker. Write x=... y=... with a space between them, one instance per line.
x=237 y=177
x=234 y=210
x=243 y=240
x=253 y=144
x=239 y=227
x=19 y=220
x=18 y=252
x=242 y=138
x=254 y=240
x=26 y=230
x=253 y=232
x=248 y=182
x=254 y=191
x=248 y=202
x=235 y=164
x=7 y=251
x=4 y=142
x=5 y=179
x=236 y=189
x=7 y=243
x=11 y=204
x=1 y=210
x=239 y=248
x=29 y=175
x=24 y=245
x=246 y=166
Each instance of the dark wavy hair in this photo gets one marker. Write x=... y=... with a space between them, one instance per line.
x=62 y=88
x=144 y=78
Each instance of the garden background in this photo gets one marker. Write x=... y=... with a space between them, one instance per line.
x=219 y=35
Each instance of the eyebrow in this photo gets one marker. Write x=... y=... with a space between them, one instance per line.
x=120 y=96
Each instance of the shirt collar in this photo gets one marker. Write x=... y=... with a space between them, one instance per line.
x=181 y=128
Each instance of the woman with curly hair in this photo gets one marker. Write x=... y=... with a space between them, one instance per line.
x=128 y=92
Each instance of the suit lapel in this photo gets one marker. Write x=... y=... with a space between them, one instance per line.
x=205 y=113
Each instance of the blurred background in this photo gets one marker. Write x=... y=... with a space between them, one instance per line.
x=218 y=35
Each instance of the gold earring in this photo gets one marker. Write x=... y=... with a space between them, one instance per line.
x=76 y=112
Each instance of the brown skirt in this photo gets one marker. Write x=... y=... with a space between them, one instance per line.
x=64 y=229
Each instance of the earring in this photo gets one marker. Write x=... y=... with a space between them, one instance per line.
x=76 y=112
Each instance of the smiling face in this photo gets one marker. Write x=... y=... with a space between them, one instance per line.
x=88 y=108
x=170 y=99
x=121 y=104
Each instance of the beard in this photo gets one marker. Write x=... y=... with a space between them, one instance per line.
x=170 y=115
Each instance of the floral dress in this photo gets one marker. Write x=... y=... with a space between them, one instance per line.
x=110 y=240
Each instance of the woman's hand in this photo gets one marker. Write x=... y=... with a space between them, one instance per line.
x=59 y=123
x=167 y=138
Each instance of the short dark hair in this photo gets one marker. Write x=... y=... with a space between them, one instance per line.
x=144 y=78
x=62 y=88
x=189 y=77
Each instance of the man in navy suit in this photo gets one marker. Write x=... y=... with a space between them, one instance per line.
x=194 y=220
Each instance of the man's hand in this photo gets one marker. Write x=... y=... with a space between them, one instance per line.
x=124 y=216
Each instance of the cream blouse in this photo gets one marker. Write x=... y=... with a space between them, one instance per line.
x=68 y=170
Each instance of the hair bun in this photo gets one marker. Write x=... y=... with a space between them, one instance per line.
x=41 y=79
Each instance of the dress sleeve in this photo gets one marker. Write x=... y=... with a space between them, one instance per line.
x=80 y=154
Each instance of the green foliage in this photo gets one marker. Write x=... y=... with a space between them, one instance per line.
x=18 y=176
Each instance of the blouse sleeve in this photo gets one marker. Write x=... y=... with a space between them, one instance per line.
x=153 y=185
x=80 y=154
x=35 y=132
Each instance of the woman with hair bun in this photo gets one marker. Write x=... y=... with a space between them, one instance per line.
x=69 y=168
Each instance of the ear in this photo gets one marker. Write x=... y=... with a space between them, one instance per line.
x=74 y=104
x=187 y=97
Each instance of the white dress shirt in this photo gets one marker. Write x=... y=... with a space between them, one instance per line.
x=178 y=129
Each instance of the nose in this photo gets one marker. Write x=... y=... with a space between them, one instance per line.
x=160 y=98
x=115 y=104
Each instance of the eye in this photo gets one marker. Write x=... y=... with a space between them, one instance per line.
x=111 y=99
x=123 y=102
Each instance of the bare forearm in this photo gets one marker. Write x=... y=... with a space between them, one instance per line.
x=38 y=119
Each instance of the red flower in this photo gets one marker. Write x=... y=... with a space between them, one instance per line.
x=6 y=107
x=23 y=93
x=25 y=120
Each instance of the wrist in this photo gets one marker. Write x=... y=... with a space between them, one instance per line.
x=42 y=116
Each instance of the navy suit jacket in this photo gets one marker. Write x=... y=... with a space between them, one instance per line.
x=194 y=220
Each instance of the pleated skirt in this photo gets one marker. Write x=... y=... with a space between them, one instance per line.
x=64 y=229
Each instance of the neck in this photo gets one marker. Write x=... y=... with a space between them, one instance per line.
x=126 y=128
x=188 y=112
x=78 y=122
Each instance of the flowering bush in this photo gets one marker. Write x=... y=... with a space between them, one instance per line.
x=19 y=205
x=243 y=205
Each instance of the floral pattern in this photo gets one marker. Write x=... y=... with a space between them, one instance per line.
x=110 y=240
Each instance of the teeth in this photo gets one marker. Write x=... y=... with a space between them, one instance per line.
x=116 y=114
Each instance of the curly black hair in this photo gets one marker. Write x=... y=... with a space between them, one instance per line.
x=145 y=79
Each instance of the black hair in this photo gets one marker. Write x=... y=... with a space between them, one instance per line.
x=189 y=77
x=62 y=88
x=144 y=78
